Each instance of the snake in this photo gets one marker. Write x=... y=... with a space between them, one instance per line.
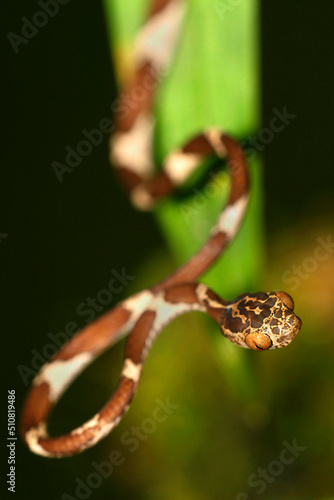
x=257 y=321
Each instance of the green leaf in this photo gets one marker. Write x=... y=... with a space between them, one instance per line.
x=214 y=81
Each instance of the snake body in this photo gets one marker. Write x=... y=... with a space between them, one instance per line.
x=257 y=321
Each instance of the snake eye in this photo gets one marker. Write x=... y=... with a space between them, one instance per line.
x=258 y=341
x=286 y=299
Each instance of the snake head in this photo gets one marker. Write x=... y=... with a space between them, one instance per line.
x=263 y=320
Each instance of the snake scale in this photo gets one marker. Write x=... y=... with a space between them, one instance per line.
x=258 y=321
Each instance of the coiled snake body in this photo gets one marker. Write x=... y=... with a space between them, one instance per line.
x=257 y=321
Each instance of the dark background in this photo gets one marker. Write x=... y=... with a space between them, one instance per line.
x=63 y=237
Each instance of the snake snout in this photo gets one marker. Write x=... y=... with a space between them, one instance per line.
x=289 y=330
x=296 y=326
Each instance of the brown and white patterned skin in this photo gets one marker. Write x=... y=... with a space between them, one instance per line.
x=258 y=321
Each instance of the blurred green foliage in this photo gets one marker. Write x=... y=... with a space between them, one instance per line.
x=214 y=81
x=200 y=92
